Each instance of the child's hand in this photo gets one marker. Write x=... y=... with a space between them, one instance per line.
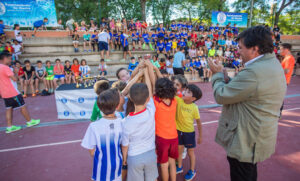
x=199 y=140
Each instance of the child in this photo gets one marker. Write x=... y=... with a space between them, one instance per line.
x=132 y=65
x=84 y=69
x=123 y=74
x=102 y=68
x=160 y=47
x=21 y=75
x=39 y=24
x=138 y=138
x=99 y=87
x=164 y=73
x=105 y=134
x=212 y=52
x=155 y=62
x=59 y=73
x=124 y=42
x=40 y=72
x=162 y=64
x=135 y=40
x=49 y=77
x=2 y=27
x=75 y=38
x=75 y=69
x=17 y=50
x=165 y=128
x=68 y=72
x=168 y=47
x=116 y=40
x=174 y=45
x=146 y=41
x=180 y=84
x=18 y=35
x=11 y=96
x=29 y=72
x=86 y=41
x=9 y=48
x=2 y=47
x=94 y=40
x=169 y=65
x=193 y=68
x=187 y=112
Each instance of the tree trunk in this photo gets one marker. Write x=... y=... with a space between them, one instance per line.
x=190 y=16
x=276 y=18
x=143 y=9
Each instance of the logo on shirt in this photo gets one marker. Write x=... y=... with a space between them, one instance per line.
x=2 y=9
x=112 y=126
x=82 y=113
x=221 y=17
x=80 y=100
x=64 y=100
x=66 y=113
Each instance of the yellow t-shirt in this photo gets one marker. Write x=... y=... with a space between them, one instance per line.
x=174 y=44
x=185 y=116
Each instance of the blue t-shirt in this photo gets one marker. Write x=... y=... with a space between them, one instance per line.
x=132 y=66
x=168 y=46
x=110 y=35
x=235 y=63
x=172 y=35
x=166 y=38
x=225 y=31
x=154 y=37
x=201 y=27
x=192 y=64
x=183 y=26
x=122 y=38
x=173 y=26
x=116 y=36
x=217 y=28
x=182 y=44
x=189 y=27
x=184 y=35
x=2 y=27
x=234 y=43
x=146 y=37
x=161 y=32
x=179 y=26
x=136 y=35
x=38 y=23
x=211 y=28
x=178 y=58
x=177 y=36
x=197 y=64
x=160 y=46
x=221 y=42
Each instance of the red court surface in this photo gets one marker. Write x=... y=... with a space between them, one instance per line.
x=52 y=150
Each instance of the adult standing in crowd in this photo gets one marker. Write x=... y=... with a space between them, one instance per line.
x=178 y=63
x=287 y=63
x=103 y=39
x=251 y=101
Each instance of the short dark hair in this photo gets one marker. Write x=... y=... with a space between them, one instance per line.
x=83 y=60
x=48 y=61
x=163 y=71
x=17 y=61
x=102 y=60
x=108 y=101
x=257 y=36
x=38 y=61
x=45 y=18
x=196 y=91
x=26 y=61
x=67 y=61
x=75 y=59
x=165 y=89
x=120 y=85
x=180 y=79
x=57 y=60
x=119 y=70
x=101 y=86
x=286 y=46
x=139 y=93
x=4 y=54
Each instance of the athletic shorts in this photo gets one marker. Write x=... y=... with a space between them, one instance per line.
x=75 y=41
x=14 y=102
x=103 y=45
x=166 y=148
x=50 y=77
x=142 y=167
x=187 y=139
x=59 y=76
x=135 y=40
x=126 y=48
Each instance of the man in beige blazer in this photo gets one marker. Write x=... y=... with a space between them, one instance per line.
x=251 y=102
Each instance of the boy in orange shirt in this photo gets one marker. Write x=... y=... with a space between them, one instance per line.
x=288 y=61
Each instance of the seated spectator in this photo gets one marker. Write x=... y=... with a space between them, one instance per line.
x=59 y=73
x=75 y=38
x=169 y=65
x=40 y=73
x=84 y=69
x=75 y=69
x=219 y=52
x=9 y=48
x=17 y=50
x=155 y=62
x=87 y=42
x=29 y=72
x=21 y=75
x=132 y=65
x=162 y=64
x=208 y=43
x=39 y=24
x=68 y=72
x=212 y=52
x=102 y=68
x=94 y=40
x=18 y=35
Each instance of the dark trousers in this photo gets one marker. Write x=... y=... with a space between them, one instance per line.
x=178 y=71
x=242 y=171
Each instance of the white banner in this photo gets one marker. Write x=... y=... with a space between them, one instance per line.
x=75 y=104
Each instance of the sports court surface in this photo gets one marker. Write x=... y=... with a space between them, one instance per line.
x=52 y=151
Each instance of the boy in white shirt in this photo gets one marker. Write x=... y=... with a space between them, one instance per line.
x=103 y=139
x=138 y=138
x=17 y=50
x=169 y=65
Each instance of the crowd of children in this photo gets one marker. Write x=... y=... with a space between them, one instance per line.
x=142 y=121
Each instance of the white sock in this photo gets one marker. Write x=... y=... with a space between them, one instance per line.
x=8 y=127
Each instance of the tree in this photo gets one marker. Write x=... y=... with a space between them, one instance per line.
x=189 y=7
x=161 y=10
x=143 y=9
x=285 y=4
x=205 y=8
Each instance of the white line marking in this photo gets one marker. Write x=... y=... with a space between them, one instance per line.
x=38 y=146
x=291 y=109
x=208 y=122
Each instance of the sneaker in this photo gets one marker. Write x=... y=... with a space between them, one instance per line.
x=190 y=175
x=13 y=129
x=184 y=153
x=90 y=50
x=33 y=95
x=179 y=170
x=33 y=122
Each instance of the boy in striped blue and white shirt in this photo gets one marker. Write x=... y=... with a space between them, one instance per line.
x=103 y=139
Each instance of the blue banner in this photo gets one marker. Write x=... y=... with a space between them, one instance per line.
x=223 y=18
x=26 y=12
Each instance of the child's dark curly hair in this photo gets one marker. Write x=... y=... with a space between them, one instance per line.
x=165 y=89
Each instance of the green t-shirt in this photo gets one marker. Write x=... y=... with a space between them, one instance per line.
x=156 y=63
x=96 y=114
x=87 y=37
x=50 y=70
x=2 y=49
x=211 y=52
x=189 y=43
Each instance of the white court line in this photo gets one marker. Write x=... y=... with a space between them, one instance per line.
x=76 y=141
x=38 y=146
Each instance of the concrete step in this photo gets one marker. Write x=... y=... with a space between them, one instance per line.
x=115 y=56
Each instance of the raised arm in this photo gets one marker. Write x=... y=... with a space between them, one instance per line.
x=148 y=82
x=131 y=82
